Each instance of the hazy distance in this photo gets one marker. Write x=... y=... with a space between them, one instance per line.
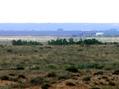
x=58 y=26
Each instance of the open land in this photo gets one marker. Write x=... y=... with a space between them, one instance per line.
x=59 y=67
x=6 y=40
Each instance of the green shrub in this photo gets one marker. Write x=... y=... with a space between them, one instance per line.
x=45 y=86
x=4 y=77
x=72 y=68
x=99 y=73
x=9 y=50
x=116 y=72
x=52 y=66
x=95 y=88
x=64 y=75
x=21 y=42
x=112 y=83
x=90 y=66
x=19 y=67
x=71 y=41
x=91 y=41
x=51 y=74
x=87 y=78
x=37 y=81
x=70 y=83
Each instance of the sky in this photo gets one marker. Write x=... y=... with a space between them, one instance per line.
x=58 y=11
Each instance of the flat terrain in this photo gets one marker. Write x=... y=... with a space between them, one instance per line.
x=6 y=40
x=59 y=67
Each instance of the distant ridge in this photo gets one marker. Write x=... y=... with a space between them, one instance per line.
x=58 y=33
x=47 y=33
x=58 y=29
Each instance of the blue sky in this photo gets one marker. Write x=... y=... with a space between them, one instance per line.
x=56 y=26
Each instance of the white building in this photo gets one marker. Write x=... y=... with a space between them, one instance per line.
x=99 y=34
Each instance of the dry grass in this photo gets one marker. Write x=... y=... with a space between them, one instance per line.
x=48 y=66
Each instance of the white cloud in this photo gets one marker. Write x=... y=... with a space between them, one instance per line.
x=92 y=11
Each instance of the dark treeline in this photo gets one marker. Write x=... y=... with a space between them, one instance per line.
x=71 y=41
x=64 y=41
x=21 y=42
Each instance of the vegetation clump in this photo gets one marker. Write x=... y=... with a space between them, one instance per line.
x=71 y=41
x=4 y=77
x=37 y=81
x=20 y=67
x=87 y=78
x=95 y=88
x=99 y=73
x=21 y=42
x=116 y=72
x=90 y=66
x=112 y=83
x=51 y=74
x=70 y=83
x=45 y=86
x=72 y=69
x=9 y=50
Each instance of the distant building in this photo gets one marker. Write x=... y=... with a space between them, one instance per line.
x=60 y=30
x=99 y=34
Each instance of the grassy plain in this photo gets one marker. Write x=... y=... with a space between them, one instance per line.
x=59 y=67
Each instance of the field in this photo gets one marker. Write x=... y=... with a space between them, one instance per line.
x=6 y=40
x=59 y=67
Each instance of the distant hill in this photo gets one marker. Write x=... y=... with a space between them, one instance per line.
x=58 y=33
x=59 y=29
x=47 y=33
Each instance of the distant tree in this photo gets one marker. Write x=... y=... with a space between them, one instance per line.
x=13 y=42
x=91 y=41
x=20 y=42
x=71 y=41
x=64 y=41
x=79 y=42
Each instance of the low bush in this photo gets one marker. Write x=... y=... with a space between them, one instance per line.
x=116 y=72
x=64 y=75
x=37 y=81
x=112 y=83
x=95 y=88
x=9 y=50
x=4 y=77
x=87 y=78
x=70 y=83
x=20 y=68
x=99 y=73
x=51 y=74
x=71 y=41
x=45 y=86
x=72 y=69
x=21 y=42
x=90 y=66
x=22 y=76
